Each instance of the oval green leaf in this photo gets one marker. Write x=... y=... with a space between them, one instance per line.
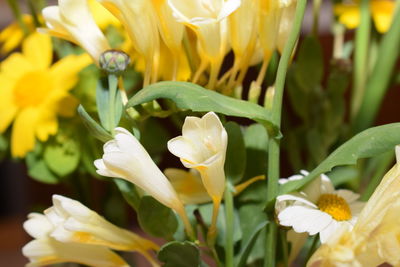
x=196 y=98
x=179 y=254
x=369 y=143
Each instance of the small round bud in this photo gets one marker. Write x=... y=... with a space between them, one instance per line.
x=114 y=61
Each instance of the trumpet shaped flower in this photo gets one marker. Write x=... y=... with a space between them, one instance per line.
x=375 y=238
x=140 y=21
x=33 y=92
x=72 y=20
x=208 y=20
x=124 y=157
x=45 y=250
x=202 y=146
x=75 y=222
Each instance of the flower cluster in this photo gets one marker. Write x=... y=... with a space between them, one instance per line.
x=195 y=36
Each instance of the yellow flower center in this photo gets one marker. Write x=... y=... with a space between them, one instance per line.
x=32 y=88
x=335 y=206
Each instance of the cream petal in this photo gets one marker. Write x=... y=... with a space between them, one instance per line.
x=296 y=197
x=228 y=8
x=37 y=225
x=348 y=195
x=328 y=231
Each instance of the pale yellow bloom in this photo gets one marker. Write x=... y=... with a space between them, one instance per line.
x=74 y=222
x=45 y=250
x=375 y=238
x=124 y=157
x=102 y=16
x=140 y=21
x=72 y=20
x=381 y=10
x=208 y=19
x=12 y=36
x=202 y=146
x=33 y=92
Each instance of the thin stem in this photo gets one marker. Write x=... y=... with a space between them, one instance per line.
x=282 y=235
x=186 y=223
x=273 y=155
x=212 y=231
x=112 y=87
x=338 y=40
x=360 y=57
x=313 y=247
x=229 y=219
x=380 y=77
x=316 y=11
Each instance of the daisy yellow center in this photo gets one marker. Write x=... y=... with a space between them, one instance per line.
x=335 y=206
x=32 y=88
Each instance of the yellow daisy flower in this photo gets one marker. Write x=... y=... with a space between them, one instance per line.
x=33 y=92
x=381 y=10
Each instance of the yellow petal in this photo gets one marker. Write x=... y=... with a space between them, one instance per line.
x=16 y=65
x=65 y=71
x=46 y=124
x=382 y=13
x=12 y=35
x=23 y=132
x=37 y=48
x=7 y=107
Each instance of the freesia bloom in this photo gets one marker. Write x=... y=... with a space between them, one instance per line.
x=72 y=20
x=375 y=238
x=202 y=146
x=33 y=92
x=381 y=10
x=45 y=250
x=318 y=208
x=74 y=222
x=208 y=19
x=124 y=157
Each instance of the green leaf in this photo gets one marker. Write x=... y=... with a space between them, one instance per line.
x=310 y=58
x=156 y=219
x=366 y=144
x=94 y=128
x=245 y=251
x=128 y=192
x=62 y=155
x=196 y=98
x=103 y=107
x=235 y=162
x=37 y=168
x=179 y=254
x=3 y=146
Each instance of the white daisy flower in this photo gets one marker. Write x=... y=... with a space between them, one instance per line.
x=318 y=208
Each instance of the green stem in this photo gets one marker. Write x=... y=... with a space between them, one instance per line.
x=282 y=235
x=316 y=11
x=312 y=247
x=273 y=150
x=229 y=220
x=112 y=86
x=379 y=79
x=361 y=57
x=18 y=15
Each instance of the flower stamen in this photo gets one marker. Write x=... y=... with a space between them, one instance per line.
x=335 y=206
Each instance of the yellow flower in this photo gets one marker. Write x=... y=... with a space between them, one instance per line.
x=33 y=92
x=381 y=10
x=140 y=21
x=102 y=16
x=375 y=238
x=71 y=20
x=12 y=36
x=45 y=250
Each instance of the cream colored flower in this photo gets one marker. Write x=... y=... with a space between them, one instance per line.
x=140 y=21
x=45 y=250
x=124 y=157
x=75 y=222
x=202 y=146
x=208 y=19
x=318 y=208
x=72 y=20
x=375 y=238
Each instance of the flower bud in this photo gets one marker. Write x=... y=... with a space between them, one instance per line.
x=114 y=61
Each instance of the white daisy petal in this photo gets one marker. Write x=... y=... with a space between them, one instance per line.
x=348 y=195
